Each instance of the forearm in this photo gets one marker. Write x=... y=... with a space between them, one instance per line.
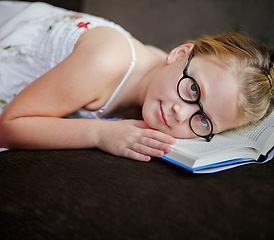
x=127 y=138
x=49 y=133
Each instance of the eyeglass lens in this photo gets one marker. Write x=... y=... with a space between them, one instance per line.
x=200 y=125
x=188 y=90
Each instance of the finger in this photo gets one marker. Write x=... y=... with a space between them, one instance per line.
x=157 y=135
x=147 y=151
x=137 y=156
x=155 y=144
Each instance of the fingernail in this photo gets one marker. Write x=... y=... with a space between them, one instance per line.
x=172 y=140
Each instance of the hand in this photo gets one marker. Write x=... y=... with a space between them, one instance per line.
x=133 y=139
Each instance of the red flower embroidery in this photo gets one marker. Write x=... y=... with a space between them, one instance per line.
x=74 y=16
x=83 y=25
x=77 y=15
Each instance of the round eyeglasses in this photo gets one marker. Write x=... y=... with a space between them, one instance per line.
x=189 y=91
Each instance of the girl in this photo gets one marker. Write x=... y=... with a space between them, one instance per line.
x=63 y=74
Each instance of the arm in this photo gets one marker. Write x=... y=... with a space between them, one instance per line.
x=128 y=138
x=33 y=119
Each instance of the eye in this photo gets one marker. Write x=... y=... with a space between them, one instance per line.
x=193 y=91
x=204 y=122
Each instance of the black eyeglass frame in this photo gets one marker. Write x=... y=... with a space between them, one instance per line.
x=197 y=101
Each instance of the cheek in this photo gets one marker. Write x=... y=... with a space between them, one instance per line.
x=158 y=89
x=179 y=131
x=183 y=132
x=164 y=84
x=149 y=112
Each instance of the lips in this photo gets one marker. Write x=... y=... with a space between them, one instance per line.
x=162 y=115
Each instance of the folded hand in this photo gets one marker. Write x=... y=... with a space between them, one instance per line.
x=133 y=139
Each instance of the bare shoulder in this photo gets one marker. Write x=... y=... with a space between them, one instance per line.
x=104 y=43
x=107 y=56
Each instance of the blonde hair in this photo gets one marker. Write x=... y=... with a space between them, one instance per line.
x=252 y=64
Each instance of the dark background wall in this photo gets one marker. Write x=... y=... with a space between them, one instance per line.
x=167 y=23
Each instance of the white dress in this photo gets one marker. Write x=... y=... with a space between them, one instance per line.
x=35 y=37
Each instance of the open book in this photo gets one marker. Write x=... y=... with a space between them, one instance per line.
x=226 y=150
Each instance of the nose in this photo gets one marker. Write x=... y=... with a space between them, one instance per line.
x=183 y=111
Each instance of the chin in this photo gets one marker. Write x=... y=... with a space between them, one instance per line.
x=150 y=123
x=148 y=118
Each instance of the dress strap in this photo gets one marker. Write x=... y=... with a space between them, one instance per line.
x=131 y=67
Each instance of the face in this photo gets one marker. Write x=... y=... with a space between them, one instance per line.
x=165 y=111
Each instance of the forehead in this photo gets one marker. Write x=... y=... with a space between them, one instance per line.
x=219 y=91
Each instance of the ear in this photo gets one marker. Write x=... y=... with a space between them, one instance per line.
x=179 y=52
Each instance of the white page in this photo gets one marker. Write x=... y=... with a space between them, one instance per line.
x=257 y=136
x=200 y=147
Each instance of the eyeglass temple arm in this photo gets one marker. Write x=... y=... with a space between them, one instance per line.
x=188 y=61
